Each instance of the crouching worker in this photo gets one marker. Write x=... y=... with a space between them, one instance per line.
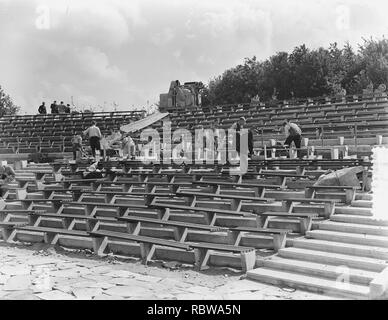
x=293 y=134
x=7 y=175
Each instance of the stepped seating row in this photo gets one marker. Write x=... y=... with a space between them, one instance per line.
x=160 y=204
x=22 y=134
x=331 y=118
x=53 y=133
x=253 y=165
x=256 y=174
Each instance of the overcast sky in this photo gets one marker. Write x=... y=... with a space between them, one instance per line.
x=127 y=52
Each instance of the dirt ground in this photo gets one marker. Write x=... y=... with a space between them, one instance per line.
x=36 y=271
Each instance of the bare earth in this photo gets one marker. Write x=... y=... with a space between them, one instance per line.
x=33 y=272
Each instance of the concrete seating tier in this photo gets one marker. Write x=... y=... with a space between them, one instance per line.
x=359 y=119
x=200 y=215
x=52 y=132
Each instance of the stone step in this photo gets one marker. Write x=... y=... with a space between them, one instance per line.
x=349 y=218
x=290 y=224
x=343 y=248
x=362 y=203
x=320 y=270
x=331 y=195
x=364 y=196
x=34 y=196
x=353 y=211
x=308 y=283
x=24 y=172
x=337 y=259
x=365 y=239
x=352 y=228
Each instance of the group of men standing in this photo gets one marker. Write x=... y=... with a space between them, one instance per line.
x=55 y=108
x=98 y=142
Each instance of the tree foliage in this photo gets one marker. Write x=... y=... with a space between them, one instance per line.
x=7 y=107
x=303 y=73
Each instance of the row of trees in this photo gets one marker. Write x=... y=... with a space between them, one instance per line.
x=303 y=73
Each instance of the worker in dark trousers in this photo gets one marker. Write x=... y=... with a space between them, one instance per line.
x=42 y=109
x=293 y=134
x=94 y=135
x=241 y=124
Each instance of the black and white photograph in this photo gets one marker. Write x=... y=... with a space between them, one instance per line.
x=193 y=156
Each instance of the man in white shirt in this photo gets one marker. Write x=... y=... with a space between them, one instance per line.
x=94 y=135
x=293 y=133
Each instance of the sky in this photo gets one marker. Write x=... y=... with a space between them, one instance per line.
x=123 y=54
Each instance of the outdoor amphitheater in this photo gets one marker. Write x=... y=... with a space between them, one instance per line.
x=162 y=225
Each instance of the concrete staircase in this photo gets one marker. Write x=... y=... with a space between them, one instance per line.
x=342 y=257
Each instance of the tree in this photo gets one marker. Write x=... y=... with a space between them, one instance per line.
x=375 y=57
x=308 y=73
x=303 y=73
x=276 y=74
x=7 y=107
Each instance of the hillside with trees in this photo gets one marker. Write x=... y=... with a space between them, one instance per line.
x=303 y=73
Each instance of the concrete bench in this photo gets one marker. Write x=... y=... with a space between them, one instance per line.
x=329 y=204
x=26 y=203
x=259 y=189
x=149 y=186
x=210 y=213
x=4 y=213
x=148 y=196
x=191 y=175
x=202 y=253
x=279 y=235
x=51 y=234
x=350 y=192
x=305 y=219
x=67 y=183
x=76 y=192
x=90 y=207
x=7 y=229
x=147 y=244
x=68 y=220
x=236 y=201
x=180 y=228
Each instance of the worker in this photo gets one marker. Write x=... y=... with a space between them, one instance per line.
x=62 y=108
x=94 y=135
x=293 y=134
x=54 y=107
x=129 y=147
x=77 y=145
x=42 y=109
x=7 y=175
x=241 y=124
